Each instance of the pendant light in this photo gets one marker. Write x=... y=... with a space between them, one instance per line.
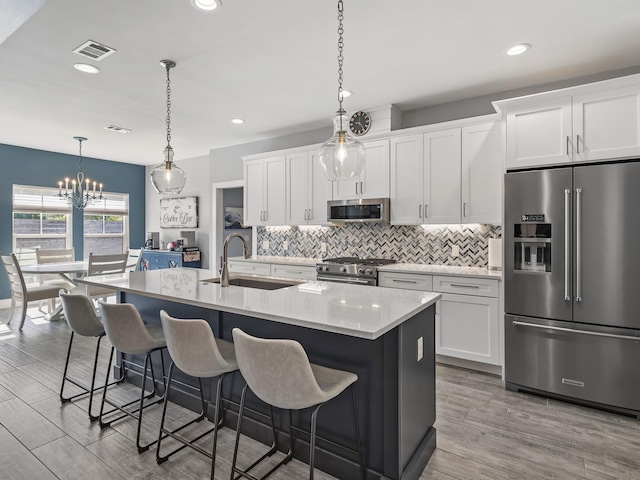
x=80 y=194
x=168 y=178
x=342 y=156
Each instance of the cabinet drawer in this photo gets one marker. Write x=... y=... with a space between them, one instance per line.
x=481 y=287
x=255 y=268
x=408 y=281
x=293 y=271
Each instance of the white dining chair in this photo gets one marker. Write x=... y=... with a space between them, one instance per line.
x=103 y=265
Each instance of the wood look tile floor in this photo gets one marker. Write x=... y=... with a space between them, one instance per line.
x=484 y=431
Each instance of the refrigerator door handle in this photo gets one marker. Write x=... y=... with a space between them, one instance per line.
x=571 y=330
x=567 y=234
x=578 y=245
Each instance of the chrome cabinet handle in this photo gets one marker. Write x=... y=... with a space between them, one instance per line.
x=420 y=210
x=584 y=332
x=578 y=245
x=463 y=285
x=356 y=188
x=577 y=143
x=398 y=280
x=567 y=233
x=464 y=209
x=567 y=144
x=361 y=188
x=426 y=210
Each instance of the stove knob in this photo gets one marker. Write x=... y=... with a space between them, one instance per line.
x=342 y=269
x=360 y=271
x=318 y=268
x=369 y=271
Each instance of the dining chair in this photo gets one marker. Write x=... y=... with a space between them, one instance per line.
x=103 y=265
x=26 y=292
x=135 y=258
x=55 y=255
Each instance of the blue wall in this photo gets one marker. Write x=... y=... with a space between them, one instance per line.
x=25 y=166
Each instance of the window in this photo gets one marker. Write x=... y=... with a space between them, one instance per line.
x=106 y=225
x=40 y=219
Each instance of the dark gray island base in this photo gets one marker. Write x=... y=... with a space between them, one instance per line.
x=395 y=391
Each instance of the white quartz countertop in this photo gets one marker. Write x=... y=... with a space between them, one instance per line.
x=301 y=261
x=355 y=310
x=478 y=272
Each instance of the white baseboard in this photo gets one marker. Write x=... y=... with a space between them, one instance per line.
x=5 y=303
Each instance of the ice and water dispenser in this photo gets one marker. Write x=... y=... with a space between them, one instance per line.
x=532 y=247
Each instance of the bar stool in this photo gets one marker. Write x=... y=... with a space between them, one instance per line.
x=279 y=373
x=127 y=332
x=196 y=352
x=82 y=318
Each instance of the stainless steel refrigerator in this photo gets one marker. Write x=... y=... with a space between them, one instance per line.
x=572 y=283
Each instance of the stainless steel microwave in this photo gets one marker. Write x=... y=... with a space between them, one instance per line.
x=358 y=210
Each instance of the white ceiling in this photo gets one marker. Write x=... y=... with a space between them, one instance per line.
x=273 y=63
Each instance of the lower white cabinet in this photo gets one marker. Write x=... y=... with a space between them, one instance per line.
x=298 y=272
x=252 y=268
x=467 y=315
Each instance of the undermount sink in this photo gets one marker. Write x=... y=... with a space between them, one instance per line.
x=254 y=282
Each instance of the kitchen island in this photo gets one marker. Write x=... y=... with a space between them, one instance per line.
x=385 y=336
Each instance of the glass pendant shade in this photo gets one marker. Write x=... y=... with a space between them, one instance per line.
x=167 y=178
x=342 y=157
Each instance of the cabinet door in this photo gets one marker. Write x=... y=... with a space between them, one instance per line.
x=407 y=180
x=467 y=327
x=442 y=177
x=482 y=172
x=298 y=188
x=375 y=175
x=606 y=125
x=253 y=192
x=321 y=189
x=274 y=205
x=540 y=134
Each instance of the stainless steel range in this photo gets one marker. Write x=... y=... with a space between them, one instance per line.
x=362 y=271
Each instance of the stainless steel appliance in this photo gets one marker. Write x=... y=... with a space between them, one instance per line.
x=358 y=210
x=153 y=240
x=572 y=323
x=362 y=271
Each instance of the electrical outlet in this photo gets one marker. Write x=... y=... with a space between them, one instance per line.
x=285 y=245
x=455 y=251
x=265 y=244
x=323 y=247
x=420 y=348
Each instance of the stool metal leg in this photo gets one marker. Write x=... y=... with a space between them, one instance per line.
x=312 y=443
x=355 y=416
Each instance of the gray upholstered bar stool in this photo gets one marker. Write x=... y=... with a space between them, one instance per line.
x=196 y=352
x=127 y=332
x=82 y=318
x=279 y=373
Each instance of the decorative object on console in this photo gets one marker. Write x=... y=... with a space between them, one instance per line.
x=342 y=157
x=179 y=212
x=80 y=196
x=233 y=218
x=168 y=178
x=360 y=123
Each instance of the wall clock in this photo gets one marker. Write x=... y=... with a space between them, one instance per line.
x=360 y=123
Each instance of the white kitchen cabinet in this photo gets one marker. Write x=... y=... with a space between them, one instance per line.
x=374 y=178
x=264 y=191
x=298 y=272
x=482 y=172
x=307 y=190
x=594 y=126
x=406 y=281
x=252 y=268
x=426 y=178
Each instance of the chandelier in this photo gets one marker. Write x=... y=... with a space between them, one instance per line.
x=78 y=191
x=341 y=157
x=168 y=178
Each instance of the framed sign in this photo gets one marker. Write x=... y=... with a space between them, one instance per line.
x=179 y=212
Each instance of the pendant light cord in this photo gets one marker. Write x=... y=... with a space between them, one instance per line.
x=168 y=65
x=340 y=58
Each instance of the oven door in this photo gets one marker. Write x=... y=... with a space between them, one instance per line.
x=347 y=279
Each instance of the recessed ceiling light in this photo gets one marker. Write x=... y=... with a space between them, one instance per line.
x=346 y=93
x=117 y=129
x=237 y=121
x=206 y=5
x=86 y=68
x=518 y=49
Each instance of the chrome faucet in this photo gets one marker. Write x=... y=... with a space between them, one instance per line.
x=224 y=269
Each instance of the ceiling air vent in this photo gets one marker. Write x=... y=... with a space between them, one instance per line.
x=113 y=128
x=93 y=50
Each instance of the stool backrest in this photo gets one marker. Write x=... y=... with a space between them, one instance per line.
x=104 y=264
x=80 y=314
x=192 y=346
x=125 y=328
x=277 y=371
x=55 y=255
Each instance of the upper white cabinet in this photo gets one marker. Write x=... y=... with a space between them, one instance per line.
x=307 y=189
x=482 y=171
x=264 y=191
x=447 y=176
x=374 y=178
x=592 y=126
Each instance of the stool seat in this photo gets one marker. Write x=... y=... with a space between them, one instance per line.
x=331 y=381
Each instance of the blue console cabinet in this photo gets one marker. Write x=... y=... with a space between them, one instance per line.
x=157 y=259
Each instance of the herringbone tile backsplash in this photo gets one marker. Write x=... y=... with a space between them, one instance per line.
x=405 y=243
